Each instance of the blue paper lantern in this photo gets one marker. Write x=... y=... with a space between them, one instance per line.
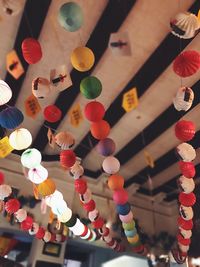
x=11 y=118
x=70 y=16
x=106 y=147
x=123 y=209
x=130 y=233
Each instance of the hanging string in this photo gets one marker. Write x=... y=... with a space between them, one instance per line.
x=180 y=41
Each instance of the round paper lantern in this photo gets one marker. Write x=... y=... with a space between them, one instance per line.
x=91 y=88
x=100 y=130
x=38 y=175
x=54 y=198
x=41 y=89
x=98 y=223
x=186 y=152
x=187 y=200
x=104 y=231
x=183 y=241
x=76 y=171
x=93 y=215
x=64 y=140
x=185 y=233
x=126 y=218
x=59 y=207
x=128 y=226
x=40 y=233
x=21 y=215
x=115 y=182
x=27 y=223
x=31 y=50
x=106 y=147
x=47 y=236
x=12 y=206
x=185 y=25
x=186 y=212
x=130 y=233
x=66 y=216
x=186 y=225
x=187 y=63
x=67 y=158
x=47 y=187
x=34 y=229
x=52 y=113
x=31 y=158
x=5 y=93
x=87 y=236
x=185 y=130
x=1 y=178
x=78 y=228
x=72 y=221
x=111 y=165
x=20 y=139
x=133 y=239
x=5 y=191
x=82 y=59
x=94 y=236
x=80 y=186
x=120 y=196
x=183 y=249
x=89 y=206
x=187 y=169
x=94 y=111
x=12 y=7
x=11 y=118
x=186 y=185
x=183 y=99
x=70 y=16
x=107 y=238
x=123 y=209
x=86 y=197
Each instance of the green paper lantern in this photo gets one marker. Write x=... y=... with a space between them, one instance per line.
x=128 y=226
x=70 y=16
x=91 y=87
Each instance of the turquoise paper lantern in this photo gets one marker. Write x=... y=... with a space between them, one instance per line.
x=11 y=118
x=70 y=16
x=130 y=233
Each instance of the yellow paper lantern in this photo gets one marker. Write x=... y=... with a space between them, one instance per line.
x=82 y=59
x=133 y=239
x=47 y=187
x=20 y=139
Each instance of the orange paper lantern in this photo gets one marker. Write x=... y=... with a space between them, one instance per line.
x=100 y=130
x=115 y=182
x=47 y=187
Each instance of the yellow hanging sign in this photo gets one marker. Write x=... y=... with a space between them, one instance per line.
x=32 y=106
x=5 y=147
x=130 y=100
x=76 y=116
x=14 y=65
x=198 y=15
x=149 y=159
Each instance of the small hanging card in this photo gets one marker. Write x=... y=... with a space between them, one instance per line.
x=5 y=147
x=119 y=44
x=76 y=116
x=13 y=64
x=51 y=138
x=130 y=100
x=60 y=78
x=32 y=106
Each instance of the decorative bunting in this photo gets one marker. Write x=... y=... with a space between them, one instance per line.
x=14 y=65
x=32 y=106
x=76 y=116
x=119 y=44
x=130 y=100
x=5 y=147
x=60 y=78
x=149 y=159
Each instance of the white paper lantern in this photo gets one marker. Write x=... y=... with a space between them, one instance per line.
x=186 y=184
x=5 y=191
x=86 y=197
x=183 y=99
x=107 y=238
x=59 y=208
x=31 y=158
x=21 y=215
x=93 y=215
x=34 y=229
x=185 y=233
x=40 y=88
x=66 y=216
x=5 y=92
x=47 y=236
x=76 y=171
x=78 y=228
x=111 y=165
x=20 y=139
x=38 y=175
x=87 y=235
x=57 y=196
x=186 y=212
x=186 y=152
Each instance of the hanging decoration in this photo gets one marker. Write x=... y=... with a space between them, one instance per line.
x=5 y=93
x=64 y=140
x=70 y=16
x=183 y=99
x=32 y=107
x=11 y=118
x=94 y=111
x=20 y=139
x=185 y=130
x=60 y=78
x=31 y=158
x=100 y=130
x=82 y=59
x=41 y=88
x=119 y=44
x=75 y=115
x=106 y=147
x=91 y=87
x=130 y=100
x=52 y=113
x=31 y=50
x=14 y=65
x=149 y=159
x=5 y=147
x=12 y=7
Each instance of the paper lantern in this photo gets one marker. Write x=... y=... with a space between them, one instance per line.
x=93 y=215
x=91 y=88
x=66 y=216
x=187 y=63
x=120 y=197
x=107 y=238
x=78 y=228
x=59 y=207
x=34 y=229
x=94 y=236
x=111 y=165
x=133 y=239
x=67 y=158
x=184 y=249
x=128 y=226
x=47 y=187
x=126 y=218
x=72 y=221
x=187 y=199
x=185 y=130
x=186 y=152
x=27 y=223
x=186 y=185
x=38 y=174
x=130 y=233
x=187 y=169
x=123 y=209
x=31 y=50
x=106 y=147
x=41 y=88
x=186 y=212
x=5 y=93
x=40 y=233
x=98 y=223
x=84 y=232
x=186 y=225
x=94 y=111
x=52 y=113
x=12 y=206
x=87 y=236
x=11 y=118
x=86 y=197
x=185 y=233
x=104 y=231
x=21 y=215
x=55 y=197
x=183 y=99
x=82 y=59
x=31 y=158
x=115 y=182
x=70 y=16
x=76 y=171
x=5 y=191
x=100 y=130
x=47 y=236
x=185 y=25
x=64 y=140
x=89 y=206
x=1 y=178
x=183 y=241
x=12 y=7
x=20 y=139
x=80 y=186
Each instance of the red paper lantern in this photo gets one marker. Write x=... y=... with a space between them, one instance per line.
x=115 y=182
x=1 y=178
x=120 y=196
x=27 y=223
x=85 y=231
x=98 y=223
x=100 y=130
x=31 y=50
x=12 y=206
x=40 y=233
x=89 y=206
x=80 y=186
x=139 y=249
x=67 y=158
x=111 y=243
x=183 y=241
x=104 y=231
x=52 y=113
x=187 y=169
x=186 y=225
x=187 y=63
x=187 y=200
x=94 y=111
x=185 y=130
